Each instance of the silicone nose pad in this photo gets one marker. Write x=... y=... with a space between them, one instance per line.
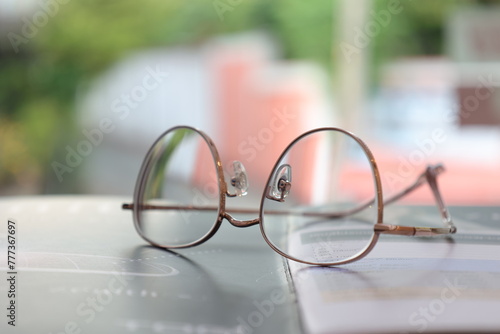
x=281 y=184
x=239 y=181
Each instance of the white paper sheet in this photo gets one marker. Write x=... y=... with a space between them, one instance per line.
x=410 y=284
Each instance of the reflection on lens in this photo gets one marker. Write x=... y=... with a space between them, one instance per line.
x=311 y=209
x=179 y=198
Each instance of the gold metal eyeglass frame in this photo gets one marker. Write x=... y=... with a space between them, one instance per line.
x=428 y=176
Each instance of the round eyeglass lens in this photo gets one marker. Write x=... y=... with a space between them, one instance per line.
x=320 y=203
x=178 y=197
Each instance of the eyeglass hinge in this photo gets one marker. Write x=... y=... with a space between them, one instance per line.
x=394 y=229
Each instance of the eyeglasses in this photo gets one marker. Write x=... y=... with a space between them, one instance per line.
x=326 y=214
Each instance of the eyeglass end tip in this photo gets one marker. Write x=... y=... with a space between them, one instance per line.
x=127 y=206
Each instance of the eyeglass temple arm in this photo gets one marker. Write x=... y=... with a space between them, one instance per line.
x=130 y=206
x=428 y=176
x=420 y=181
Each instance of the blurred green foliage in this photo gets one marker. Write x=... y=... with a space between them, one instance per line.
x=418 y=30
x=39 y=84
